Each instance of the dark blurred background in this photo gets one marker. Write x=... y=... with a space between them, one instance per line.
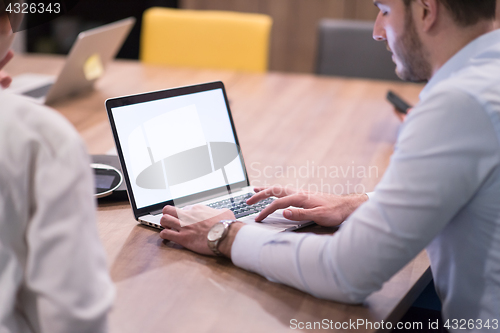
x=58 y=36
x=293 y=36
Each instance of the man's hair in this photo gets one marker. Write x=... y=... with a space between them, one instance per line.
x=468 y=12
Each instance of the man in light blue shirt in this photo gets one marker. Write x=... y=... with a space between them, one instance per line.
x=441 y=190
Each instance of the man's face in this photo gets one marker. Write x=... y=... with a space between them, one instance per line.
x=497 y=20
x=6 y=36
x=395 y=26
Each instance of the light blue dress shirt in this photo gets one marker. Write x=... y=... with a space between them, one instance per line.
x=440 y=191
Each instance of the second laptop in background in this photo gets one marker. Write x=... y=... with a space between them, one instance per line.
x=86 y=61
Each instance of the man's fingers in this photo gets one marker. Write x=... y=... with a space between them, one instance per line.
x=299 y=214
x=170 y=235
x=170 y=222
x=258 y=197
x=400 y=115
x=170 y=210
x=6 y=59
x=259 y=189
x=5 y=80
x=264 y=193
x=277 y=204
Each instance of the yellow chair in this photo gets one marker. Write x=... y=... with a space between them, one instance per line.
x=205 y=39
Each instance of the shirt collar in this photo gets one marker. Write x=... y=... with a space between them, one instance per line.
x=461 y=59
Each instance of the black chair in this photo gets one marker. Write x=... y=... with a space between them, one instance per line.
x=347 y=48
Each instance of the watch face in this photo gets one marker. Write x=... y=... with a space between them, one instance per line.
x=216 y=232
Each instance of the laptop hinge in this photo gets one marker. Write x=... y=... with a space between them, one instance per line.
x=156 y=212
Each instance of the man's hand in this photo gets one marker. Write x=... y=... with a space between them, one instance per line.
x=401 y=116
x=197 y=222
x=5 y=79
x=324 y=209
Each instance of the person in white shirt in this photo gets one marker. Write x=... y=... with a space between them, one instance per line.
x=441 y=190
x=53 y=270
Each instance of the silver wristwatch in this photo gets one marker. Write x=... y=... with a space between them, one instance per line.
x=217 y=233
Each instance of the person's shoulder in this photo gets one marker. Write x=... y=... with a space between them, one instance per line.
x=452 y=115
x=447 y=98
x=464 y=95
x=28 y=121
x=479 y=80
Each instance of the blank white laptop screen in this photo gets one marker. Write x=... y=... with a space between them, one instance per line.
x=178 y=146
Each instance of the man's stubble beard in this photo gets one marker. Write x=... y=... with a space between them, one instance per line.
x=411 y=53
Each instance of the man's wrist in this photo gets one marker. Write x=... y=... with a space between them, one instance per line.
x=352 y=202
x=358 y=199
x=226 y=244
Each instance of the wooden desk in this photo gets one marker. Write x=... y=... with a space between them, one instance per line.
x=283 y=121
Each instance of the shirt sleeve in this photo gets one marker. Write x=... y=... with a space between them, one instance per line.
x=67 y=285
x=445 y=151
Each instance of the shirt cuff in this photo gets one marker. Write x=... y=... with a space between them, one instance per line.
x=370 y=195
x=247 y=246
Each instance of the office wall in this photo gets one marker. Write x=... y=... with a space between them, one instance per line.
x=293 y=40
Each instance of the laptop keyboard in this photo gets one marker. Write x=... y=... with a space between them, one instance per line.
x=239 y=206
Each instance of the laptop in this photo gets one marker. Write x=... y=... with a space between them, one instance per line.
x=85 y=63
x=179 y=147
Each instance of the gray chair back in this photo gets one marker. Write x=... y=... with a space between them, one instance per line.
x=347 y=48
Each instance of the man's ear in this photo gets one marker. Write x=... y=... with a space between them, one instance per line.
x=426 y=13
